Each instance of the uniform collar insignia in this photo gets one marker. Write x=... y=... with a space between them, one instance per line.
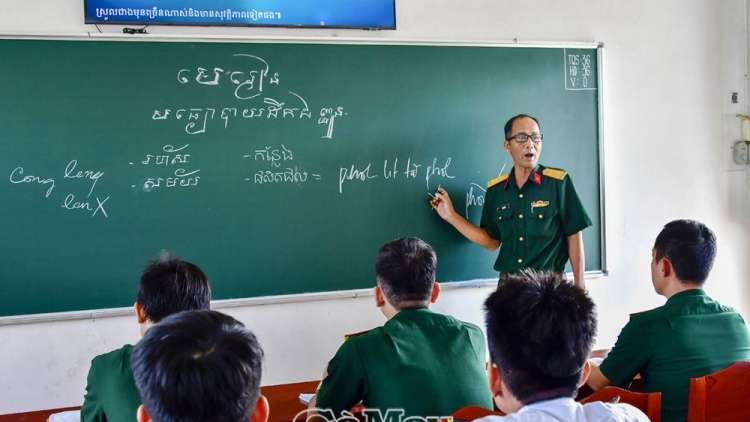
x=537 y=178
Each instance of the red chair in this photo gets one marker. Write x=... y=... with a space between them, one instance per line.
x=469 y=413
x=648 y=403
x=721 y=396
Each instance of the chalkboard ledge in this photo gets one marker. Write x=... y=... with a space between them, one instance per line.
x=253 y=301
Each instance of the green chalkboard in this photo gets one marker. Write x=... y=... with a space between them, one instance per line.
x=278 y=168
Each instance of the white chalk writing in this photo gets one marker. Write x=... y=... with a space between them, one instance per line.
x=433 y=170
x=473 y=200
x=249 y=81
x=198 y=118
x=16 y=176
x=168 y=159
x=71 y=173
x=70 y=203
x=272 y=155
x=351 y=173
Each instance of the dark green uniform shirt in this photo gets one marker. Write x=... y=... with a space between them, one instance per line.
x=532 y=223
x=111 y=395
x=425 y=363
x=690 y=336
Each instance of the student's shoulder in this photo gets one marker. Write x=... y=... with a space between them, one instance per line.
x=468 y=326
x=354 y=340
x=116 y=356
x=450 y=321
x=645 y=318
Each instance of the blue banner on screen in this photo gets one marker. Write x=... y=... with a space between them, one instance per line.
x=371 y=14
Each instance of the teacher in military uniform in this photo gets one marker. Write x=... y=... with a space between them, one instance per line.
x=533 y=214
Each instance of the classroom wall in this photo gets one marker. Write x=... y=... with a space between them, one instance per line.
x=669 y=70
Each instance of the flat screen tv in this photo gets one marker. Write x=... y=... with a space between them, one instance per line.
x=363 y=14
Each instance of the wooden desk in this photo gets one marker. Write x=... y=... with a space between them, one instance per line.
x=283 y=400
x=35 y=416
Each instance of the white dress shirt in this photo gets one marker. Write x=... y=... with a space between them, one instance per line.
x=568 y=410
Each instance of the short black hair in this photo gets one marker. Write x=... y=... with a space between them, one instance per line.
x=405 y=270
x=691 y=248
x=198 y=366
x=170 y=285
x=509 y=124
x=540 y=331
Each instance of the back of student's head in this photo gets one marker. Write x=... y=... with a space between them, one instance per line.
x=691 y=248
x=170 y=285
x=405 y=270
x=540 y=331
x=198 y=366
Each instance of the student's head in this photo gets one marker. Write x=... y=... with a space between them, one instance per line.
x=169 y=285
x=540 y=331
x=199 y=366
x=684 y=250
x=405 y=270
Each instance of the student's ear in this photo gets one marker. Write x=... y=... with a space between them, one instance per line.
x=586 y=373
x=379 y=296
x=260 y=414
x=496 y=380
x=666 y=267
x=140 y=313
x=435 y=292
x=141 y=415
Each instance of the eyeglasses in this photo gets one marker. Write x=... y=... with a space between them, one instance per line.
x=523 y=137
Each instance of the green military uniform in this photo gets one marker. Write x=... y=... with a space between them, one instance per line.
x=690 y=336
x=425 y=363
x=533 y=222
x=111 y=395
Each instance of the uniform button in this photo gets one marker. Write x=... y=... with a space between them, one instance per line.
x=520 y=196
x=541 y=216
x=500 y=218
x=520 y=260
x=520 y=239
x=520 y=216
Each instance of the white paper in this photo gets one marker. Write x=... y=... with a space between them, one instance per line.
x=304 y=398
x=68 y=416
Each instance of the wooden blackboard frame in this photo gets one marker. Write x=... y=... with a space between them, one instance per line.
x=354 y=293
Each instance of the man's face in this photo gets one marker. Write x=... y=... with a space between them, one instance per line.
x=525 y=155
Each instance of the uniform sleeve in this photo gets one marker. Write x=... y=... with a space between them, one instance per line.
x=487 y=221
x=574 y=216
x=92 y=409
x=344 y=386
x=628 y=357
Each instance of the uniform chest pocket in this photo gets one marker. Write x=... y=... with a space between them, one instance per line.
x=544 y=221
x=504 y=213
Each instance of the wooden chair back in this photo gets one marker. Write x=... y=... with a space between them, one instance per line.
x=721 y=396
x=648 y=403
x=469 y=413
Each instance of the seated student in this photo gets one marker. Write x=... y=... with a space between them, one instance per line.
x=690 y=336
x=425 y=363
x=540 y=330
x=168 y=285
x=199 y=366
